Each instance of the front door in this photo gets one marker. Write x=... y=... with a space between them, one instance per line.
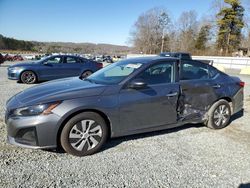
x=154 y=105
x=52 y=68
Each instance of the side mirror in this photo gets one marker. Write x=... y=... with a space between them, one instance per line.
x=137 y=84
x=47 y=64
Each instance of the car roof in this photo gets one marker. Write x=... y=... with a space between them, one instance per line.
x=63 y=55
x=149 y=59
x=174 y=53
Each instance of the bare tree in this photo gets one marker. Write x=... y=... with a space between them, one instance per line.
x=188 y=26
x=216 y=6
x=149 y=31
x=245 y=43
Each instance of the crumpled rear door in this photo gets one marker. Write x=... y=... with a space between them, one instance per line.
x=196 y=97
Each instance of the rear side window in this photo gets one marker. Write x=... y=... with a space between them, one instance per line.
x=157 y=74
x=193 y=71
x=213 y=72
x=82 y=60
x=185 y=56
x=71 y=60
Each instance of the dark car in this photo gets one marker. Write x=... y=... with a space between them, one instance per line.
x=2 y=59
x=52 y=67
x=180 y=55
x=128 y=97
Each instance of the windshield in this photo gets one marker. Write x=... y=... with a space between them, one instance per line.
x=114 y=73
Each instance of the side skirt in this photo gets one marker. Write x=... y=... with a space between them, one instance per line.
x=158 y=128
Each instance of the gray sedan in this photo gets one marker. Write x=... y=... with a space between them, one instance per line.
x=128 y=97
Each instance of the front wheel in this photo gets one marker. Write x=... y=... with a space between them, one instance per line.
x=219 y=115
x=28 y=77
x=84 y=134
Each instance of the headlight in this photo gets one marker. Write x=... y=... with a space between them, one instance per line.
x=15 y=68
x=44 y=109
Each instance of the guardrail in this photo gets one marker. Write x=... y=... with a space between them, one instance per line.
x=238 y=64
x=227 y=62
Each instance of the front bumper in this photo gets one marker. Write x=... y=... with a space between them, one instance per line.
x=13 y=74
x=33 y=131
x=12 y=141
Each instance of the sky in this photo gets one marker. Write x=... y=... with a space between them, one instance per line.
x=95 y=21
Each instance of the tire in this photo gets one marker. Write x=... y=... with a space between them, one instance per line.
x=84 y=134
x=219 y=115
x=85 y=74
x=28 y=77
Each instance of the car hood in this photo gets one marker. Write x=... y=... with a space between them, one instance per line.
x=58 y=90
x=23 y=64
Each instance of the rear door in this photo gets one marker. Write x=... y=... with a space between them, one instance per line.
x=72 y=66
x=154 y=105
x=198 y=89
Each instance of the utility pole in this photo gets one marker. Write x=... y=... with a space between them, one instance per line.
x=163 y=22
x=162 y=41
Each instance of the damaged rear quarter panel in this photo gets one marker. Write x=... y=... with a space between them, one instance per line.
x=198 y=96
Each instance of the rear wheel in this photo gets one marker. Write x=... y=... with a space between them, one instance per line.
x=28 y=77
x=84 y=134
x=219 y=115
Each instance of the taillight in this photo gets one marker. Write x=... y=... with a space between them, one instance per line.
x=99 y=65
x=242 y=84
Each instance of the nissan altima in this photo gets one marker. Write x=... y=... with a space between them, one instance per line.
x=128 y=97
x=52 y=67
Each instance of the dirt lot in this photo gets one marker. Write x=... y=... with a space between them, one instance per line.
x=190 y=156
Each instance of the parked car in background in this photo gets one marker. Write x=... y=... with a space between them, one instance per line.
x=103 y=59
x=180 y=55
x=52 y=67
x=8 y=57
x=183 y=56
x=17 y=58
x=128 y=97
x=1 y=59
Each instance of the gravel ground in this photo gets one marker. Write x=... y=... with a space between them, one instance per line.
x=190 y=156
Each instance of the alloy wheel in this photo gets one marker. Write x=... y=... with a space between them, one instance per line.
x=28 y=77
x=221 y=115
x=85 y=135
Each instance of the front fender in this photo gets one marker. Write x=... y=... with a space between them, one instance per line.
x=105 y=105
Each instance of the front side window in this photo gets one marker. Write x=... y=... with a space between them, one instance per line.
x=157 y=74
x=53 y=60
x=193 y=71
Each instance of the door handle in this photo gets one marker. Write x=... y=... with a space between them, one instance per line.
x=216 y=86
x=172 y=94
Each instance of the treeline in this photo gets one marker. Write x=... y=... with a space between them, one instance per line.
x=62 y=47
x=82 y=48
x=14 y=44
x=217 y=34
